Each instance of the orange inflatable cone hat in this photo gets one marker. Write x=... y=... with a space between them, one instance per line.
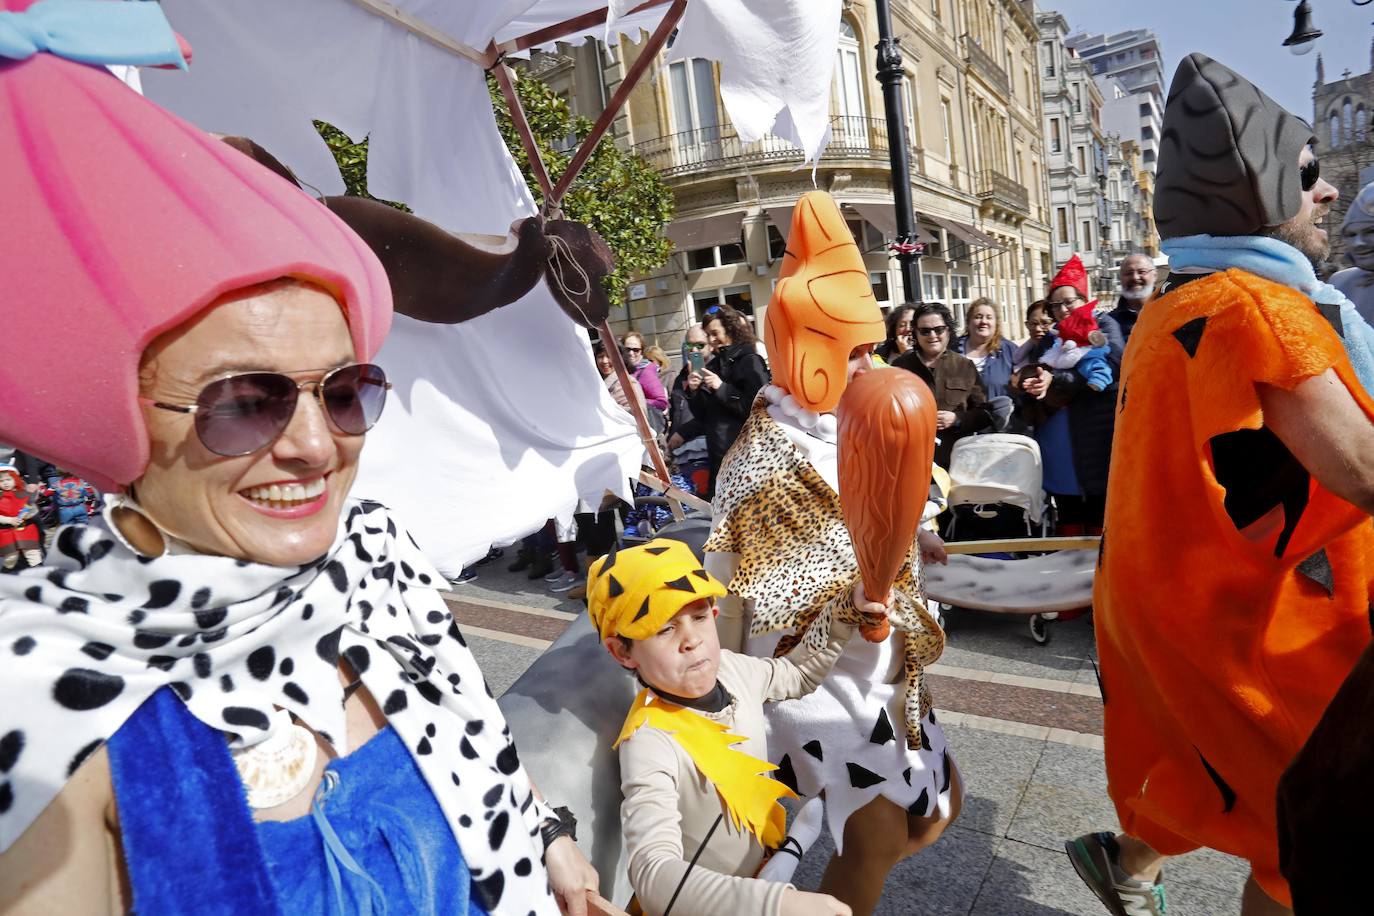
x=822 y=307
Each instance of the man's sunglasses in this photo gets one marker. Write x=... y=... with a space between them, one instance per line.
x=243 y=414
x=932 y=332
x=1309 y=174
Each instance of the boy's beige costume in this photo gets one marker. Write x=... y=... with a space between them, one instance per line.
x=696 y=778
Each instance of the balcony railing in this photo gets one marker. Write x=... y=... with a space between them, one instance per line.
x=1003 y=192
x=986 y=66
x=715 y=147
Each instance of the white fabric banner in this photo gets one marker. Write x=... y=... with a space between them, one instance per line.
x=498 y=423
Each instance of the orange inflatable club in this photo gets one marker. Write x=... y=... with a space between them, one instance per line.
x=822 y=307
x=887 y=444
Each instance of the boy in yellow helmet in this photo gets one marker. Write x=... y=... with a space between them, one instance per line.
x=693 y=765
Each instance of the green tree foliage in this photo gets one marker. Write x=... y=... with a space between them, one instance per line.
x=351 y=159
x=616 y=193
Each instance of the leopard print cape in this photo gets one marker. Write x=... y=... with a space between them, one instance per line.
x=797 y=564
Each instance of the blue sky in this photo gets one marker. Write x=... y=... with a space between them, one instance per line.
x=1246 y=35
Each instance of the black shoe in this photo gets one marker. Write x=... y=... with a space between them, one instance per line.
x=493 y=554
x=465 y=576
x=523 y=559
x=540 y=567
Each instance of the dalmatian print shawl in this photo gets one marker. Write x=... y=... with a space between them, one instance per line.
x=87 y=638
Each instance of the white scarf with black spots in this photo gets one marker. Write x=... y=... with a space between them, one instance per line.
x=85 y=639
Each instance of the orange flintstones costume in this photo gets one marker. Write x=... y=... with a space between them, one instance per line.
x=1233 y=592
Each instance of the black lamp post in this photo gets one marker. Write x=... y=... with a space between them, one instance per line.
x=890 y=75
x=1304 y=33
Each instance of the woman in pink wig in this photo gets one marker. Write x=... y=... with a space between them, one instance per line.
x=239 y=691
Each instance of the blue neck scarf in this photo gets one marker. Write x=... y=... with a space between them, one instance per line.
x=92 y=32
x=1281 y=263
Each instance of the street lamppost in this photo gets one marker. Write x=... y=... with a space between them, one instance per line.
x=1304 y=32
x=890 y=74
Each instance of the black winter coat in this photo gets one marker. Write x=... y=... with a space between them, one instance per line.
x=722 y=412
x=1092 y=414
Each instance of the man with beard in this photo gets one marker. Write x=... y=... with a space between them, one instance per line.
x=1234 y=577
x=1358 y=282
x=1137 y=272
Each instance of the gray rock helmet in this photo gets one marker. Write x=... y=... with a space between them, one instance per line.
x=1228 y=158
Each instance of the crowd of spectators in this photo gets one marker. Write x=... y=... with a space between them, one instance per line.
x=36 y=499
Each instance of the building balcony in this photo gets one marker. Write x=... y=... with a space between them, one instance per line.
x=713 y=148
x=983 y=63
x=1001 y=191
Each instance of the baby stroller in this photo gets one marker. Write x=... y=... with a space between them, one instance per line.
x=995 y=492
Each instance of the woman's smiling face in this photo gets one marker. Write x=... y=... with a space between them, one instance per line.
x=279 y=505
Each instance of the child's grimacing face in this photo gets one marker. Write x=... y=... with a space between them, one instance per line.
x=683 y=658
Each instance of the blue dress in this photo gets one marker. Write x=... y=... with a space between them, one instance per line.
x=376 y=840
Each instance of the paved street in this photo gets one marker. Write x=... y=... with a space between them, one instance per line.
x=1024 y=721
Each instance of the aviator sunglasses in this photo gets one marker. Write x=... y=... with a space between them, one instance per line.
x=1309 y=174
x=243 y=414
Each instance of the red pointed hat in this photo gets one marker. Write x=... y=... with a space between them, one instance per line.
x=1072 y=274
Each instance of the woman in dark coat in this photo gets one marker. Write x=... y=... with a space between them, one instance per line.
x=960 y=401
x=722 y=393
x=1073 y=424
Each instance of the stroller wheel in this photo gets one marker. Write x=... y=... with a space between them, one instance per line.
x=1039 y=631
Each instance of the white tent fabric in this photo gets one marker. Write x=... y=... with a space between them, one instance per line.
x=498 y=423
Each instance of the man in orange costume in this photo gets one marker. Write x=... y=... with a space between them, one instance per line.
x=1233 y=590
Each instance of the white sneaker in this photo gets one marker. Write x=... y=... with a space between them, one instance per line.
x=565 y=582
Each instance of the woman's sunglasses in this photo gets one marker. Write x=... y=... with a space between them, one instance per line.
x=243 y=414
x=1309 y=174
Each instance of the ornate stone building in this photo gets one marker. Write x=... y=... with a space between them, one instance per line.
x=1345 y=140
x=973 y=123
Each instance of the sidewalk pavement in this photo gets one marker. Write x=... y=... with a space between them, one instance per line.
x=1023 y=721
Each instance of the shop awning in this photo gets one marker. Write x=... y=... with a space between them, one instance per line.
x=967 y=233
x=882 y=216
x=705 y=231
x=782 y=218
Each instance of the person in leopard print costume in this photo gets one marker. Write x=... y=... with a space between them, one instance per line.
x=867 y=737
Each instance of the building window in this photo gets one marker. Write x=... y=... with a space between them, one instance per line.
x=693 y=98
x=849 y=75
x=909 y=109
x=1061 y=217
x=1114 y=190
x=933 y=287
x=1335 y=130
x=1056 y=137
x=1347 y=121
x=878 y=280
x=1082 y=160
x=1077 y=98
x=1147 y=132
x=1087 y=239
x=718 y=256
x=1049 y=58
x=777 y=245
x=958 y=288
x=738 y=298
x=1361 y=123
x=947 y=125
x=1146 y=110
x=935 y=8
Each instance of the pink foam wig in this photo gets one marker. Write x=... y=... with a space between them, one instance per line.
x=121 y=221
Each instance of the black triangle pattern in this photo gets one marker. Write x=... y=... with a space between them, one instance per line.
x=882 y=729
x=1318 y=568
x=785 y=774
x=702 y=574
x=1190 y=335
x=919 y=806
x=643 y=611
x=1332 y=313
x=614 y=586
x=655 y=551
x=861 y=777
x=813 y=748
x=682 y=584
x=610 y=560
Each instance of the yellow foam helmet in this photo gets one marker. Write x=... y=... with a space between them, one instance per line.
x=822 y=307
